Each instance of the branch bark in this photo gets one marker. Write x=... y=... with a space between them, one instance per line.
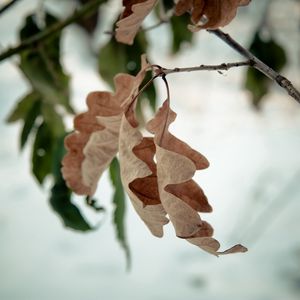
x=258 y=64
x=160 y=71
x=7 y=6
x=84 y=11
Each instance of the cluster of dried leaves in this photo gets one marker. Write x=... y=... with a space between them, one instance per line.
x=205 y=14
x=157 y=188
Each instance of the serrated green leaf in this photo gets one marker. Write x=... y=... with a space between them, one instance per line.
x=29 y=122
x=41 y=65
x=42 y=153
x=23 y=107
x=180 y=33
x=271 y=53
x=60 y=198
x=119 y=212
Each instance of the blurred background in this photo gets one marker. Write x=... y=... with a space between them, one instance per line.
x=246 y=126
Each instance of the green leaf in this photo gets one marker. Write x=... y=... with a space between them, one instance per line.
x=112 y=60
x=41 y=65
x=23 y=107
x=53 y=119
x=58 y=153
x=180 y=33
x=92 y=203
x=119 y=212
x=60 y=199
x=42 y=153
x=257 y=84
x=117 y=58
x=29 y=122
x=271 y=53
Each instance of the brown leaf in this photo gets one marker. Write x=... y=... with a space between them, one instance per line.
x=176 y=164
x=180 y=195
x=190 y=192
x=212 y=246
x=95 y=141
x=138 y=173
x=128 y=7
x=183 y=6
x=139 y=178
x=166 y=140
x=217 y=13
x=134 y=14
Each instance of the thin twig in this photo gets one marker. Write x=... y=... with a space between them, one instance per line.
x=163 y=71
x=163 y=17
x=258 y=64
x=257 y=227
x=84 y=11
x=151 y=27
x=154 y=26
x=8 y=5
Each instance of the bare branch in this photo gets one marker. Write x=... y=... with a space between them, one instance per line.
x=221 y=67
x=258 y=64
x=84 y=11
x=7 y=6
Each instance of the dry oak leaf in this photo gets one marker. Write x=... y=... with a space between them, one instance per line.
x=134 y=14
x=138 y=174
x=217 y=13
x=93 y=145
x=181 y=196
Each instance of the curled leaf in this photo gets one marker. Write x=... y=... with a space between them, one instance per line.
x=92 y=147
x=181 y=197
x=61 y=197
x=94 y=144
x=175 y=168
x=215 y=13
x=134 y=14
x=138 y=173
x=212 y=246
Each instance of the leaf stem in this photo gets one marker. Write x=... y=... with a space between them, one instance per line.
x=258 y=64
x=84 y=11
x=160 y=143
x=134 y=98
